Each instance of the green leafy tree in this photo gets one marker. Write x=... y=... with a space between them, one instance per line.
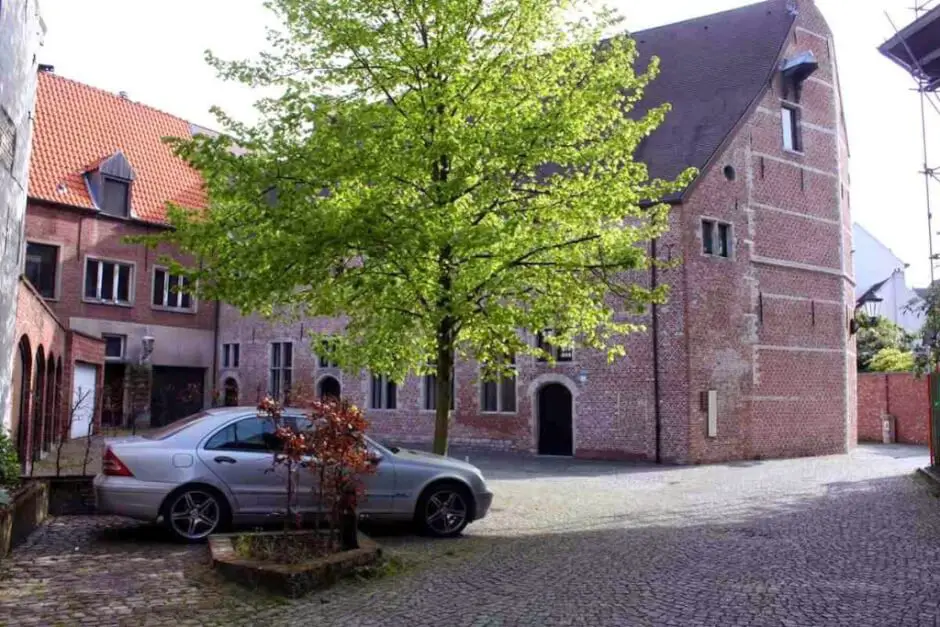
x=927 y=354
x=875 y=336
x=441 y=174
x=892 y=360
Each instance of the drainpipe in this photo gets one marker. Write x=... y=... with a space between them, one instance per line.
x=215 y=352
x=655 y=330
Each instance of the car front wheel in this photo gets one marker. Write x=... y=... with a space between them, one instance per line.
x=444 y=510
x=194 y=513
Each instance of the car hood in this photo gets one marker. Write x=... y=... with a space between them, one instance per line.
x=439 y=461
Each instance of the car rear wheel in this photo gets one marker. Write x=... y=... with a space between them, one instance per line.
x=443 y=510
x=193 y=513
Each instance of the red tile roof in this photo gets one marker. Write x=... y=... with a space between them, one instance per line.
x=78 y=126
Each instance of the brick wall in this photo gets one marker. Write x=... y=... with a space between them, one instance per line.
x=901 y=395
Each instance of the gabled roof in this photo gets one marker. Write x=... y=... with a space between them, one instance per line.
x=79 y=127
x=712 y=69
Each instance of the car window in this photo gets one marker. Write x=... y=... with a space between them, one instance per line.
x=175 y=427
x=248 y=434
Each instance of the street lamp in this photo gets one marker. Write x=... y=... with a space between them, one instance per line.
x=872 y=306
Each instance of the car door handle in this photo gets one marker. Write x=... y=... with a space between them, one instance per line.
x=222 y=459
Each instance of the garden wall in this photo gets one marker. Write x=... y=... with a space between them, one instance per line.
x=901 y=395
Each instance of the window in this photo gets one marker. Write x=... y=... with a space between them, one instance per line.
x=716 y=238
x=384 y=393
x=250 y=434
x=282 y=360
x=108 y=281
x=7 y=141
x=325 y=361
x=559 y=353
x=230 y=355
x=42 y=261
x=115 y=197
x=429 y=385
x=499 y=395
x=791 y=129
x=114 y=346
x=171 y=291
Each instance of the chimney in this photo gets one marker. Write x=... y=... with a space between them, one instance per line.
x=46 y=68
x=123 y=95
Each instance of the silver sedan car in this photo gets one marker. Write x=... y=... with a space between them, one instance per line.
x=214 y=469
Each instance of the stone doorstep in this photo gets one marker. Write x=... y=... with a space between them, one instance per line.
x=292 y=580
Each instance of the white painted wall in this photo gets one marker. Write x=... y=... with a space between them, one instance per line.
x=875 y=262
x=21 y=34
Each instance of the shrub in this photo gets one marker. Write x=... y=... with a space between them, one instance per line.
x=9 y=462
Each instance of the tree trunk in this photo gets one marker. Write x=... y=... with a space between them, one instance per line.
x=445 y=372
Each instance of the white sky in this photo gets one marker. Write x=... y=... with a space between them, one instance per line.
x=154 y=51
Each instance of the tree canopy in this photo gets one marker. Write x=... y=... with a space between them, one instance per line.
x=877 y=335
x=441 y=174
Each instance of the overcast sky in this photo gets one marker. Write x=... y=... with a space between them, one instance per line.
x=154 y=51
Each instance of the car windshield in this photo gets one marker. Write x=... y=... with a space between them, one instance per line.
x=175 y=427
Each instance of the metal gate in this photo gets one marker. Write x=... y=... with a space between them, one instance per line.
x=934 y=418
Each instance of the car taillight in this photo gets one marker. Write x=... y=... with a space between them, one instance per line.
x=111 y=465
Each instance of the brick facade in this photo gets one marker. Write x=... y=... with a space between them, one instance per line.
x=766 y=329
x=901 y=395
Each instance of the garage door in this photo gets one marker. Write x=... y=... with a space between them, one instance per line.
x=83 y=399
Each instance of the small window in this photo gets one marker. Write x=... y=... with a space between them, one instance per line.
x=108 y=281
x=384 y=393
x=230 y=355
x=282 y=361
x=324 y=361
x=429 y=384
x=543 y=340
x=42 y=262
x=171 y=291
x=7 y=141
x=115 y=197
x=716 y=238
x=791 y=129
x=250 y=434
x=114 y=346
x=500 y=395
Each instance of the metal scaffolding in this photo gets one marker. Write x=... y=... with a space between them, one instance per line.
x=916 y=48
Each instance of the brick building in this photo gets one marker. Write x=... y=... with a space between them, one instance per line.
x=100 y=172
x=752 y=356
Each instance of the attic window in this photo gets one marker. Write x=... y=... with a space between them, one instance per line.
x=115 y=197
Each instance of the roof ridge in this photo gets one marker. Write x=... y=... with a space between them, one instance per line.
x=118 y=97
x=751 y=5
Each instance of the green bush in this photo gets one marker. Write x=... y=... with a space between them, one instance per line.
x=9 y=462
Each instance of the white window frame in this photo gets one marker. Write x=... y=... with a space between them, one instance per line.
x=382 y=403
x=790 y=126
x=562 y=355
x=123 y=339
x=167 y=292
x=116 y=263
x=278 y=392
x=500 y=382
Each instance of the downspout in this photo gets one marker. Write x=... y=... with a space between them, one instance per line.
x=655 y=329
x=215 y=352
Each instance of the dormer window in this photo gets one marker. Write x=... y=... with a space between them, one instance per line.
x=109 y=184
x=115 y=197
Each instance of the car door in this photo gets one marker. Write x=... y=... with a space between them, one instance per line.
x=240 y=454
x=379 y=486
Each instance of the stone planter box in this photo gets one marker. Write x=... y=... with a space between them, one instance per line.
x=28 y=508
x=291 y=580
x=71 y=495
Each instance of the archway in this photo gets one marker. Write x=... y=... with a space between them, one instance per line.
x=555 y=420
x=48 y=414
x=22 y=382
x=231 y=392
x=39 y=405
x=329 y=387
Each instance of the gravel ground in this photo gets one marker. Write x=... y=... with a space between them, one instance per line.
x=841 y=540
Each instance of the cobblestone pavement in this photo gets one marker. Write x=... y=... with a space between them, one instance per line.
x=844 y=540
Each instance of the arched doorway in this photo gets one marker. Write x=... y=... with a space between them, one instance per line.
x=231 y=392
x=22 y=381
x=329 y=387
x=39 y=406
x=556 y=435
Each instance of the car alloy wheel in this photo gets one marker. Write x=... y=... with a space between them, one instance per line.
x=446 y=512
x=194 y=514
